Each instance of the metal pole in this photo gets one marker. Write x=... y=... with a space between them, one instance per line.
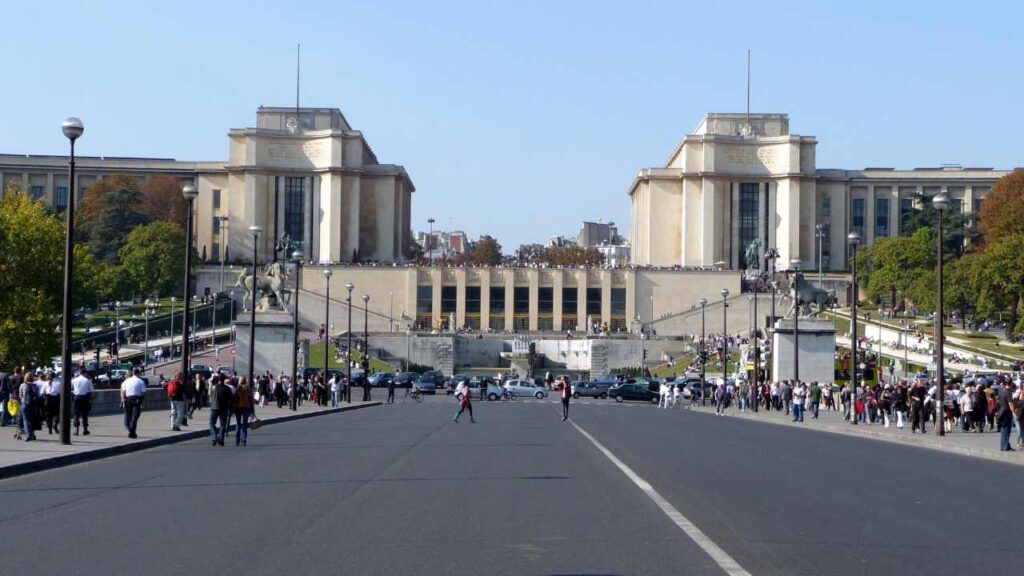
x=703 y=355
x=213 y=325
x=366 y=333
x=796 y=339
x=327 y=320
x=725 y=342
x=220 y=219
x=295 y=334
x=757 y=357
x=939 y=343
x=906 y=344
x=117 y=333
x=391 y=311
x=252 y=303
x=348 y=362
x=188 y=293
x=853 y=341
x=170 y=355
x=145 y=348
x=194 y=342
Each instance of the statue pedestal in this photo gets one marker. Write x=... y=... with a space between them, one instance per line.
x=273 y=342
x=817 y=350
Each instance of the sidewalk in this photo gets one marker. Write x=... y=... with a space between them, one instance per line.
x=985 y=445
x=108 y=437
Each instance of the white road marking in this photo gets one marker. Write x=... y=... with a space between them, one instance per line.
x=727 y=563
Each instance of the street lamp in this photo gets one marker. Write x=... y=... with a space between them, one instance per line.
x=703 y=351
x=213 y=325
x=174 y=299
x=725 y=336
x=222 y=222
x=757 y=354
x=297 y=260
x=147 y=312
x=795 y=265
x=819 y=230
x=72 y=129
x=255 y=230
x=853 y=238
x=350 y=287
x=327 y=318
x=190 y=193
x=430 y=238
x=366 y=334
x=940 y=201
x=194 y=343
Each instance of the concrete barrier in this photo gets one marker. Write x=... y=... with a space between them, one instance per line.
x=109 y=401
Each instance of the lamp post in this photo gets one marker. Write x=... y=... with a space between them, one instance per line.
x=117 y=332
x=255 y=230
x=408 y=342
x=190 y=193
x=391 y=311
x=906 y=344
x=221 y=227
x=819 y=230
x=757 y=355
x=725 y=335
x=853 y=238
x=366 y=334
x=194 y=342
x=348 y=299
x=174 y=299
x=327 y=317
x=939 y=202
x=703 y=352
x=297 y=260
x=147 y=312
x=72 y=129
x=430 y=238
x=795 y=265
x=213 y=325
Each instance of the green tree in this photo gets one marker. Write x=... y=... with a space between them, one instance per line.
x=1003 y=208
x=1000 y=276
x=31 y=280
x=153 y=257
x=572 y=256
x=895 y=265
x=91 y=275
x=485 y=252
x=413 y=251
x=110 y=210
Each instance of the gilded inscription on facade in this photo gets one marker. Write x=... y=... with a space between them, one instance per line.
x=766 y=156
x=311 y=150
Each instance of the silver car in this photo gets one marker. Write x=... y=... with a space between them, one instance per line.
x=525 y=389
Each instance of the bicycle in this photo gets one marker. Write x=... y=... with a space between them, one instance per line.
x=414 y=394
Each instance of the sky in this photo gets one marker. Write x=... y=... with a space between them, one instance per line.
x=521 y=119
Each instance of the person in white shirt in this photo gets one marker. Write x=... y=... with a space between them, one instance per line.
x=50 y=390
x=799 y=392
x=334 y=391
x=81 y=393
x=675 y=395
x=663 y=395
x=133 y=392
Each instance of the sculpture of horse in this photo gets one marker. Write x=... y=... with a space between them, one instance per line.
x=270 y=283
x=807 y=294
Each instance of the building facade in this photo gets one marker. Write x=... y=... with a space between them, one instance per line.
x=742 y=177
x=302 y=172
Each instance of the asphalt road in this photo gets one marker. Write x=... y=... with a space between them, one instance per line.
x=403 y=490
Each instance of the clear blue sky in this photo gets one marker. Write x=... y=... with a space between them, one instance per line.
x=521 y=119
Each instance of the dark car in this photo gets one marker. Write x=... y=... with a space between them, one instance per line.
x=202 y=369
x=426 y=385
x=632 y=391
x=381 y=379
x=406 y=379
x=454 y=382
x=590 y=389
x=436 y=375
x=309 y=373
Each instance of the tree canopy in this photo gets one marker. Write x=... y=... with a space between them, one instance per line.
x=109 y=211
x=153 y=257
x=485 y=252
x=560 y=255
x=161 y=199
x=1002 y=211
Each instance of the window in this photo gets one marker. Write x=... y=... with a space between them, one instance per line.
x=37 y=192
x=906 y=212
x=618 y=305
x=857 y=215
x=294 y=197
x=594 y=303
x=826 y=207
x=215 y=252
x=520 y=300
x=748 y=217
x=545 y=300
x=497 y=299
x=424 y=306
x=881 y=217
x=569 y=303
x=215 y=226
x=449 y=299
x=473 y=307
x=81 y=191
x=61 y=201
x=216 y=198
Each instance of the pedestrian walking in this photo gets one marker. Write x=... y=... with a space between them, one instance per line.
x=221 y=402
x=133 y=393
x=51 y=388
x=176 y=395
x=464 y=393
x=565 y=391
x=917 y=407
x=391 y=390
x=815 y=394
x=366 y=388
x=799 y=394
x=81 y=392
x=28 y=395
x=1004 y=416
x=900 y=401
x=245 y=402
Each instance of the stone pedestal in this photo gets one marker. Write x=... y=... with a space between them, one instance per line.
x=817 y=350
x=273 y=342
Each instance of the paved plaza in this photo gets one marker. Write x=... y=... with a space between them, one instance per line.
x=619 y=489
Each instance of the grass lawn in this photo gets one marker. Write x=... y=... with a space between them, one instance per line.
x=316 y=354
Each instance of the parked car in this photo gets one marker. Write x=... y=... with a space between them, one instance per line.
x=985 y=378
x=436 y=375
x=225 y=371
x=381 y=379
x=114 y=378
x=590 y=389
x=454 y=382
x=524 y=388
x=406 y=379
x=632 y=391
x=494 y=392
x=425 y=385
x=203 y=369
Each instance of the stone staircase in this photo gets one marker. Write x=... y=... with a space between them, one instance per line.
x=445 y=355
x=598 y=358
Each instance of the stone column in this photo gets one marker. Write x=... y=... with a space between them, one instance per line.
x=581 y=300
x=510 y=301
x=533 y=278
x=436 y=281
x=708 y=222
x=485 y=298
x=869 y=215
x=556 y=290
x=460 y=297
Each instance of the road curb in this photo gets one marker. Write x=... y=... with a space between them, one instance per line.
x=101 y=453
x=922 y=441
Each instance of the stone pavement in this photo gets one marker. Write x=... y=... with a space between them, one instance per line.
x=108 y=437
x=984 y=445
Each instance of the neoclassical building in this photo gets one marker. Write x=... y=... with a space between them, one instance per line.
x=739 y=177
x=302 y=172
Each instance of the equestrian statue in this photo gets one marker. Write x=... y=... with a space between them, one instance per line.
x=269 y=292
x=804 y=294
